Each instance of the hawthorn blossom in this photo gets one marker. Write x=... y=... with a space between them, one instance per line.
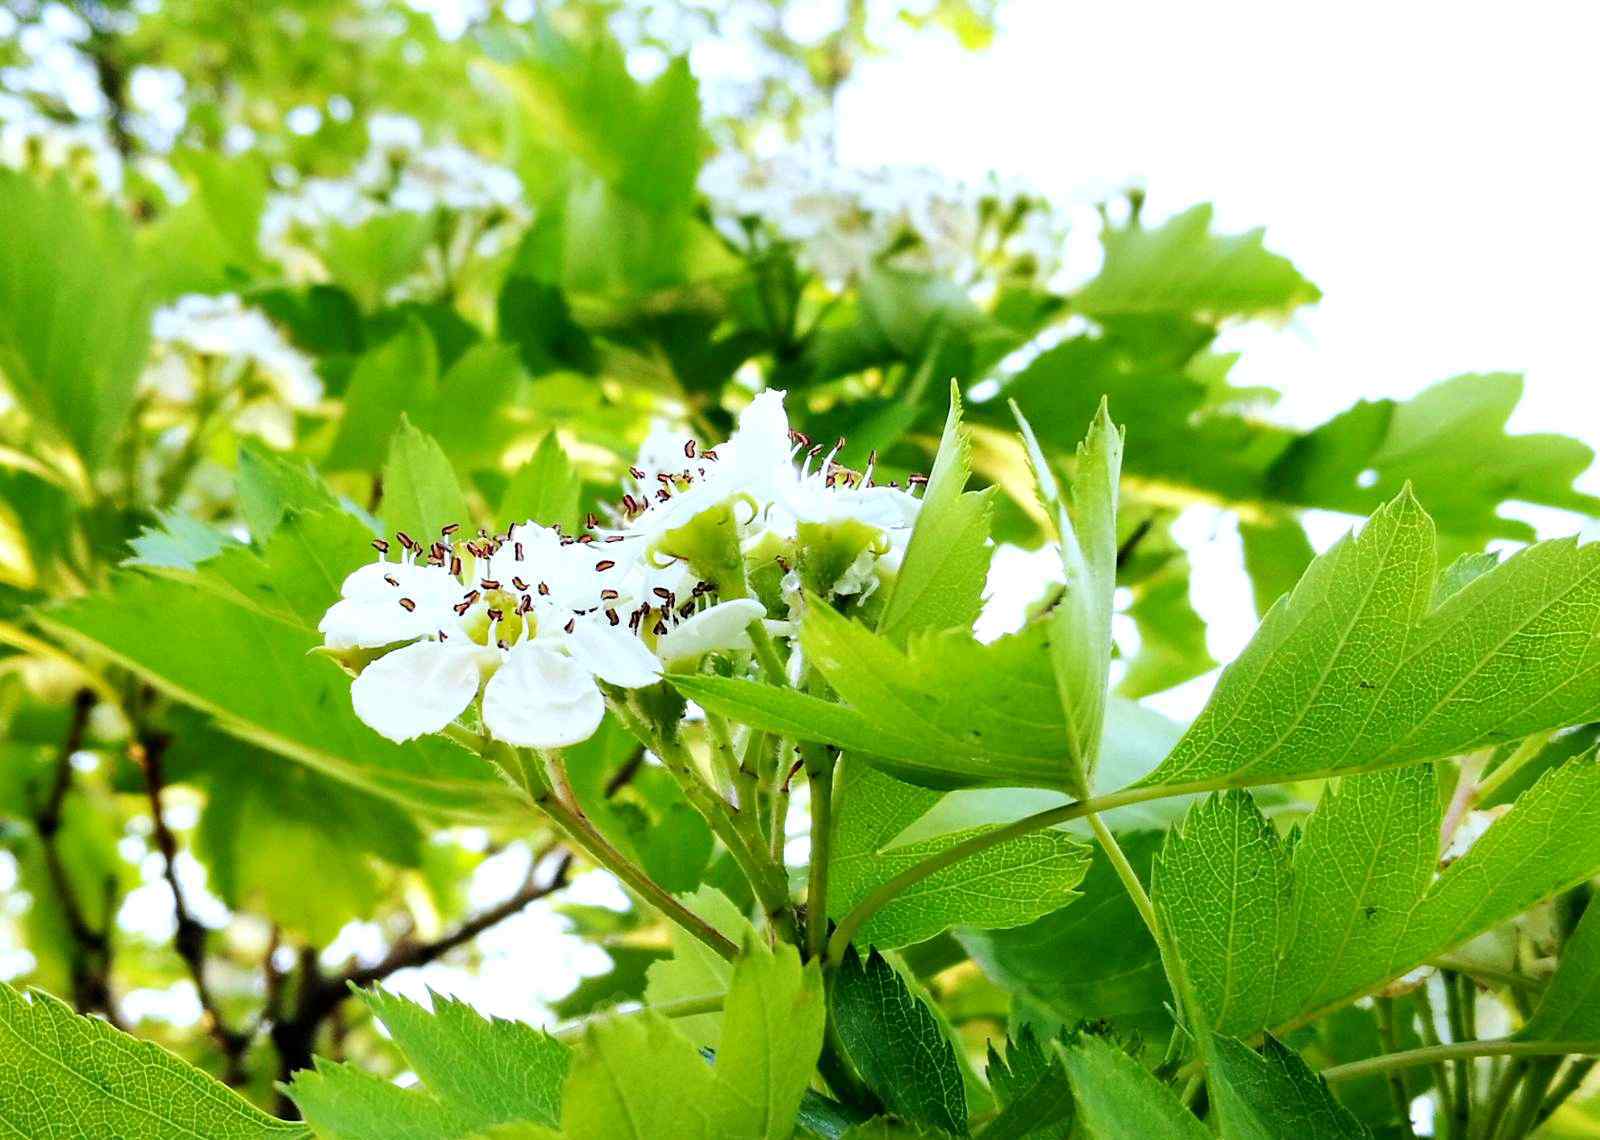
x=531 y=631
x=224 y=328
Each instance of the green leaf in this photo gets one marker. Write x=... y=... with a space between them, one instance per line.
x=178 y=543
x=490 y=1069
x=1085 y=524
x=545 y=489
x=1276 y=554
x=1357 y=669
x=68 y=1076
x=371 y=257
x=270 y=484
x=1272 y=1094
x=1006 y=885
x=771 y=1034
x=1449 y=441
x=695 y=970
x=232 y=639
x=1570 y=1007
x=940 y=581
x=1032 y=1088
x=637 y=1076
x=270 y=827
x=474 y=1073
x=1118 y=1098
x=74 y=313
x=1182 y=267
x=1270 y=933
x=897 y=1044
x=1116 y=969
x=420 y=492
x=1172 y=638
x=345 y=1102
x=399 y=375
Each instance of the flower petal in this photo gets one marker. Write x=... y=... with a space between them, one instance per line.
x=541 y=698
x=416 y=690
x=369 y=613
x=722 y=626
x=613 y=654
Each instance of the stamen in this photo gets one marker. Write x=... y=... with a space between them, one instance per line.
x=544 y=589
x=525 y=605
x=520 y=584
x=496 y=615
x=500 y=642
x=404 y=539
x=586 y=539
x=688 y=449
x=660 y=629
x=609 y=595
x=709 y=453
x=517 y=551
x=572 y=624
x=604 y=564
x=461 y=608
x=636 y=473
x=591 y=520
x=455 y=565
x=490 y=584
x=916 y=480
x=614 y=537
x=380 y=546
x=449 y=528
x=391 y=579
x=408 y=605
x=472 y=596
x=611 y=616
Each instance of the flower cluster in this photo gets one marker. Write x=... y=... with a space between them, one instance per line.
x=533 y=623
x=842 y=222
x=398 y=175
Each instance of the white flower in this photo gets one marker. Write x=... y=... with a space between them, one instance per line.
x=223 y=328
x=534 y=629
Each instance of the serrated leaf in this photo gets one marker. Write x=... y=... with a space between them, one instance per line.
x=68 y=1076
x=74 y=312
x=1276 y=554
x=1172 y=638
x=1118 y=1098
x=1272 y=1094
x=399 y=375
x=1085 y=524
x=1357 y=669
x=232 y=639
x=1116 y=969
x=545 y=489
x=897 y=1044
x=1182 y=267
x=345 y=1102
x=771 y=1034
x=1031 y=1085
x=487 y=1069
x=270 y=484
x=1270 y=933
x=420 y=492
x=695 y=970
x=1006 y=885
x=941 y=579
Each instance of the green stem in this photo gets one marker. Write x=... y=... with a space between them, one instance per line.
x=1500 y=1097
x=1461 y=1104
x=1570 y=1082
x=1521 y=1122
x=821 y=779
x=1384 y=1008
x=1514 y=763
x=1458 y=1050
x=683 y=1007
x=1428 y=1027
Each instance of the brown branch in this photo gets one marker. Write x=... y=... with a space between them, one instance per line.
x=91 y=947
x=189 y=938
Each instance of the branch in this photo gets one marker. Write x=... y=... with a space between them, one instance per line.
x=189 y=939
x=91 y=951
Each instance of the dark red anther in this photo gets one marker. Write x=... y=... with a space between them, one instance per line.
x=455 y=565
x=496 y=615
x=489 y=583
x=614 y=538
x=660 y=629
x=461 y=608
x=449 y=528
x=636 y=473
x=391 y=579
x=519 y=584
x=633 y=621
x=572 y=624
x=408 y=605
x=686 y=609
x=443 y=636
x=404 y=539
x=544 y=589
x=799 y=437
x=663 y=478
x=662 y=592
x=688 y=449
x=611 y=616
x=662 y=496
x=472 y=596
x=604 y=564
x=516 y=552
x=591 y=520
x=916 y=480
x=709 y=453
x=380 y=546
x=586 y=539
x=609 y=595
x=525 y=605
x=500 y=643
